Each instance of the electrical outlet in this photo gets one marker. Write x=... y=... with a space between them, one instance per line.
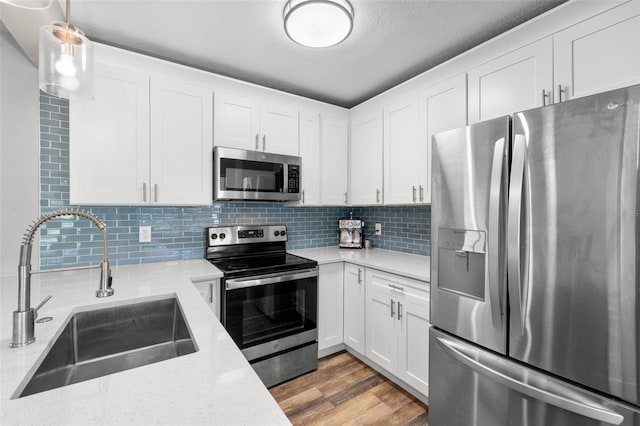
x=378 y=229
x=144 y=235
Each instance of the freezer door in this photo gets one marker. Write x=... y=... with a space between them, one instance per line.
x=468 y=212
x=573 y=241
x=474 y=387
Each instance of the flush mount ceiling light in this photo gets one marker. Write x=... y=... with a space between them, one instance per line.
x=66 y=60
x=318 y=23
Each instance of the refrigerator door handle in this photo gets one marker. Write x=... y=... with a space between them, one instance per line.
x=513 y=235
x=495 y=198
x=539 y=386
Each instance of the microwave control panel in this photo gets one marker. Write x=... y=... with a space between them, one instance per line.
x=294 y=179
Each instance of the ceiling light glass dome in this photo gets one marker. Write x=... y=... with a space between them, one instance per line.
x=318 y=23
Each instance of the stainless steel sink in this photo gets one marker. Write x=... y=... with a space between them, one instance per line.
x=104 y=341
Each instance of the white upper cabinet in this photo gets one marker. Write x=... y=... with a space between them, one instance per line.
x=109 y=139
x=141 y=140
x=334 y=162
x=516 y=81
x=279 y=126
x=310 y=153
x=405 y=153
x=237 y=122
x=442 y=107
x=599 y=54
x=181 y=142
x=247 y=123
x=366 y=157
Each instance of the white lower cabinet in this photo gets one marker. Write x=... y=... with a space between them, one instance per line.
x=210 y=292
x=397 y=327
x=354 y=301
x=330 y=303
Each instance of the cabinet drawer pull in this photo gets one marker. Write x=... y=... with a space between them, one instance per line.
x=393 y=305
x=396 y=287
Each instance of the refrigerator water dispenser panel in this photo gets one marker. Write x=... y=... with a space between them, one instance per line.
x=461 y=261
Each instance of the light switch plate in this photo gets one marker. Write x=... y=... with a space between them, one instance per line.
x=144 y=235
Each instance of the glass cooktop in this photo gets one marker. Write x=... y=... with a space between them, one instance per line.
x=258 y=264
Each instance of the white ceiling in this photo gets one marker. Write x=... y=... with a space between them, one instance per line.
x=392 y=40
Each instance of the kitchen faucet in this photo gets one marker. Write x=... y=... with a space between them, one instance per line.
x=24 y=317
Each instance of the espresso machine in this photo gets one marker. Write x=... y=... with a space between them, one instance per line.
x=351 y=232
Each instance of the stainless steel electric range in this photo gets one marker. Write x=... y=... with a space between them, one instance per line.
x=269 y=299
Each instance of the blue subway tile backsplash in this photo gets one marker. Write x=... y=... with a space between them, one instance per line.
x=178 y=232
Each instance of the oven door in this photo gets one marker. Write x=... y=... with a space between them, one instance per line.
x=271 y=313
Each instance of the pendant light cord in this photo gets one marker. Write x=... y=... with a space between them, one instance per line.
x=68 y=12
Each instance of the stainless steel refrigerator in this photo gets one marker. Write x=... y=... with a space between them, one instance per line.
x=535 y=284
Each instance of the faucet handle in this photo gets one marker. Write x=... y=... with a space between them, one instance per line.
x=45 y=300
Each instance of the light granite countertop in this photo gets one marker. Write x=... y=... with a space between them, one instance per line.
x=395 y=262
x=215 y=385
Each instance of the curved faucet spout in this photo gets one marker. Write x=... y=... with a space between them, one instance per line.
x=24 y=317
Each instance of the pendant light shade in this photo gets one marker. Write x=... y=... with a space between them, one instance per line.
x=318 y=23
x=66 y=61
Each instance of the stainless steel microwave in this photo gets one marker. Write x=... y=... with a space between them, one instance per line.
x=253 y=175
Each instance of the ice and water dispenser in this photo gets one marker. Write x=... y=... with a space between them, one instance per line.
x=461 y=261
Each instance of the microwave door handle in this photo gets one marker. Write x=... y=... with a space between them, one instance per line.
x=495 y=233
x=239 y=283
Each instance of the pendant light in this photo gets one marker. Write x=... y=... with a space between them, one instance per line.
x=318 y=23
x=66 y=60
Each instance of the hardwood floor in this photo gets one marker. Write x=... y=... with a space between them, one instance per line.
x=346 y=391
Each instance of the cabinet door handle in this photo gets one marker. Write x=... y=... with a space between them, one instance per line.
x=144 y=191
x=393 y=305
x=345 y=197
x=302 y=200
x=414 y=193
x=545 y=97
x=421 y=193
x=359 y=276
x=257 y=136
x=264 y=142
x=399 y=311
x=377 y=196
x=155 y=192
x=560 y=92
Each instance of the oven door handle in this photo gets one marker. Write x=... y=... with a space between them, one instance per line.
x=235 y=284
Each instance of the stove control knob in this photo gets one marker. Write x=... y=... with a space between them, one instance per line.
x=222 y=236
x=214 y=236
x=283 y=233
x=276 y=233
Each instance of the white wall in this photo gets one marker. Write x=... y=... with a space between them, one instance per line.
x=19 y=150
